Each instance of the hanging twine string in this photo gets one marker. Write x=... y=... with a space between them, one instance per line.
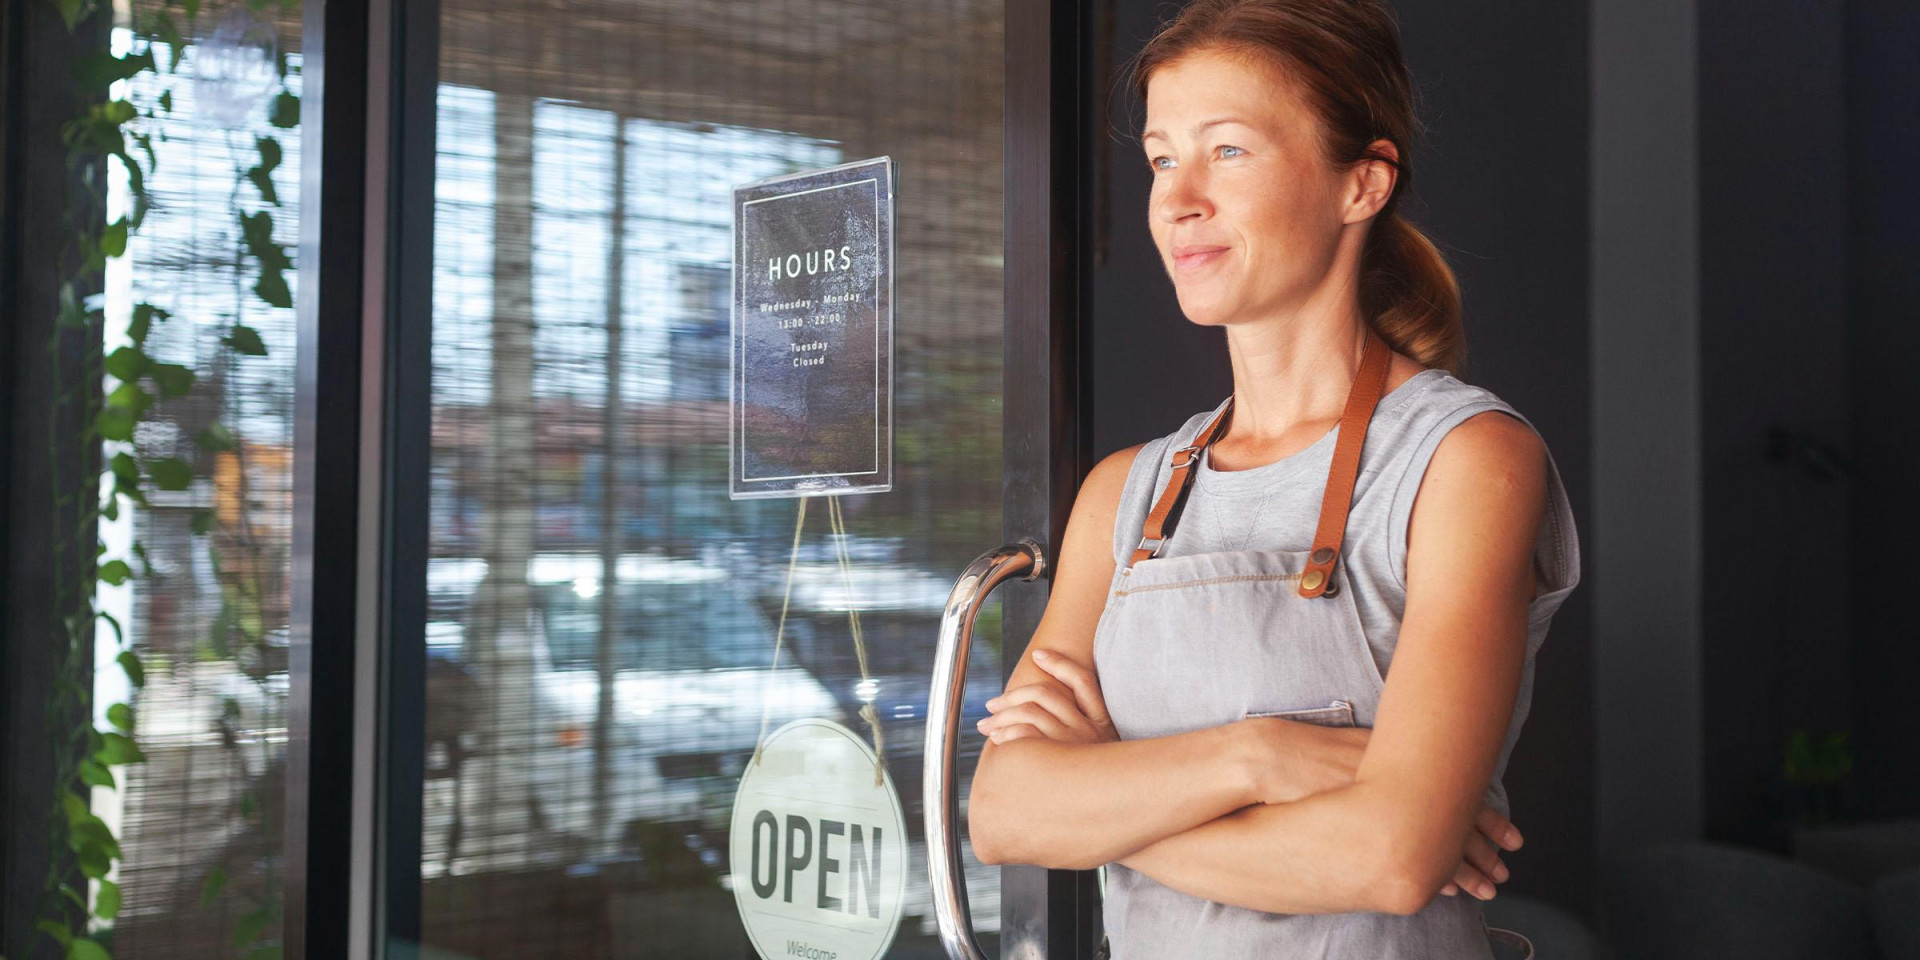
x=867 y=712
x=780 y=632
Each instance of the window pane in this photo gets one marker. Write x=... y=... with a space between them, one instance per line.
x=199 y=821
x=603 y=618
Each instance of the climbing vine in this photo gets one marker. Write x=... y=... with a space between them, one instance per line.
x=116 y=393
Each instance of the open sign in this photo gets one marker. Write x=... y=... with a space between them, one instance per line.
x=818 y=849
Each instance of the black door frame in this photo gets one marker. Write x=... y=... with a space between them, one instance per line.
x=1052 y=182
x=356 y=698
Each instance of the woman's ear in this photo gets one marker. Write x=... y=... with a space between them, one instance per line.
x=1372 y=180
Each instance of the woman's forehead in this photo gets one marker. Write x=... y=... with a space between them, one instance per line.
x=1193 y=94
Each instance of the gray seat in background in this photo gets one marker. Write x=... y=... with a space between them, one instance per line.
x=1557 y=934
x=1688 y=901
x=1896 y=915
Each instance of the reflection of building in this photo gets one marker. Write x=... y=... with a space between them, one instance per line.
x=701 y=334
x=676 y=456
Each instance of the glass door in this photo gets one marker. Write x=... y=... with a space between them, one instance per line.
x=609 y=635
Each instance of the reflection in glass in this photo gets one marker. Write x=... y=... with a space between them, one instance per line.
x=199 y=822
x=603 y=619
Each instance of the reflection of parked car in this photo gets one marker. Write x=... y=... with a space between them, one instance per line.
x=694 y=686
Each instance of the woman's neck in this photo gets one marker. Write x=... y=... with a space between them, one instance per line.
x=1291 y=377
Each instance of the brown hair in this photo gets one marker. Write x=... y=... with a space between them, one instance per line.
x=1344 y=55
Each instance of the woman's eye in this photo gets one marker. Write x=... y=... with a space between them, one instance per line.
x=1227 y=147
x=1155 y=163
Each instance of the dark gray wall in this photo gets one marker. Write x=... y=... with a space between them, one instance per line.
x=1772 y=182
x=1645 y=543
x=1883 y=327
x=1502 y=188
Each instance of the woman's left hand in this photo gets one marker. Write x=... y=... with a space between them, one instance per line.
x=1071 y=710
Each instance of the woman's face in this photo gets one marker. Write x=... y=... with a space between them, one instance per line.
x=1246 y=211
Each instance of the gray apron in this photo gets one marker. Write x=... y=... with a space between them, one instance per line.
x=1191 y=642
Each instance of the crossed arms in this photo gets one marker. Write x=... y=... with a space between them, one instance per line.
x=1266 y=813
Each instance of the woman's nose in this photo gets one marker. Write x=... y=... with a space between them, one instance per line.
x=1184 y=195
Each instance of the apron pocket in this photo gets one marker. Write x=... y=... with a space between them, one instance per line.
x=1339 y=713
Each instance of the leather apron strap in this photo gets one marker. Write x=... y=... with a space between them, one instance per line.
x=1317 y=579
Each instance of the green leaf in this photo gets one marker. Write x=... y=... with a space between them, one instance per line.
x=215 y=437
x=250 y=926
x=77 y=898
x=119 y=635
x=216 y=881
x=121 y=715
x=95 y=774
x=262 y=173
x=263 y=182
x=170 y=35
x=202 y=522
x=94 y=862
x=166 y=101
x=141 y=324
x=173 y=379
x=113 y=240
x=217 y=633
x=115 y=572
x=171 y=473
x=124 y=467
x=76 y=808
x=273 y=289
x=55 y=930
x=130 y=398
x=107 y=902
x=114 y=423
x=126 y=364
x=96 y=71
x=118 y=749
x=73 y=11
x=285 y=112
x=93 y=832
x=136 y=673
x=83 y=949
x=118 y=112
x=245 y=339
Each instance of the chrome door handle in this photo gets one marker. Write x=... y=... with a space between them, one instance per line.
x=938 y=799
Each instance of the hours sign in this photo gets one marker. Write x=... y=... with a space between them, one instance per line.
x=812 y=407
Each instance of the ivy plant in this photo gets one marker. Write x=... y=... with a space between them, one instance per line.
x=113 y=394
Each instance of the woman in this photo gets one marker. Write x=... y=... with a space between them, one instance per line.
x=1207 y=707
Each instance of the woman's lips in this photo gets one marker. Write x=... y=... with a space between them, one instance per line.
x=1195 y=257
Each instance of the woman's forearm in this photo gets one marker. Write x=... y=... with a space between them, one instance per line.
x=1338 y=851
x=1080 y=805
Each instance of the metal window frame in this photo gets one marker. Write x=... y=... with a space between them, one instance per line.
x=362 y=425
x=363 y=407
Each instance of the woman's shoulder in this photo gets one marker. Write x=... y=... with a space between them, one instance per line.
x=1435 y=401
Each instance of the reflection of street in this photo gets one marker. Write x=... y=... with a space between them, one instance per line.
x=203 y=850
x=525 y=822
